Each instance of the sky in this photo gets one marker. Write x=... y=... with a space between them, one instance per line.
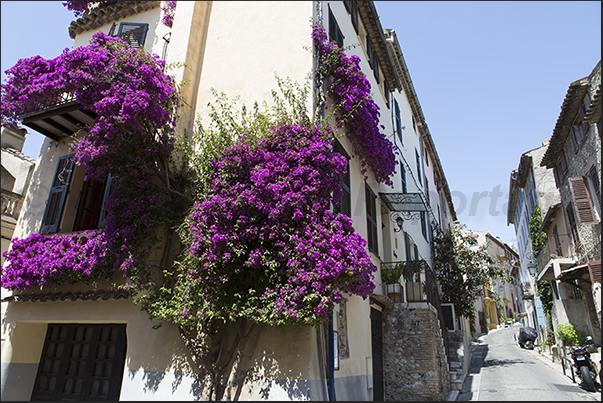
x=490 y=77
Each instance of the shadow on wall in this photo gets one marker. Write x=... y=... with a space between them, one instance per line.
x=274 y=361
x=274 y=366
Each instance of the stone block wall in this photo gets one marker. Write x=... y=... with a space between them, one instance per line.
x=415 y=366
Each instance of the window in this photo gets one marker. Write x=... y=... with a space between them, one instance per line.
x=58 y=193
x=386 y=93
x=582 y=120
x=87 y=204
x=371 y=218
x=403 y=172
x=418 y=166
x=595 y=183
x=416 y=250
x=134 y=34
x=335 y=34
x=582 y=200
x=353 y=10
x=554 y=288
x=424 y=225
x=577 y=136
x=571 y=219
x=407 y=246
x=562 y=163
x=398 y=121
x=558 y=250
x=427 y=191
x=81 y=362
x=372 y=56
x=345 y=206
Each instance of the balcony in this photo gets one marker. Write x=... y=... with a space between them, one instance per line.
x=11 y=203
x=393 y=274
x=65 y=118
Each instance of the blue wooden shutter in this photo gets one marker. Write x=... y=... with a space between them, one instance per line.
x=58 y=193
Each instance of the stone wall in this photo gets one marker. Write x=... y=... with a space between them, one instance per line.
x=415 y=365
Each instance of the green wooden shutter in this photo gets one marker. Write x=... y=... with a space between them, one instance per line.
x=371 y=218
x=58 y=193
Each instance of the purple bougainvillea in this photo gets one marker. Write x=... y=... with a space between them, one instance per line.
x=168 y=14
x=356 y=111
x=135 y=102
x=259 y=243
x=263 y=244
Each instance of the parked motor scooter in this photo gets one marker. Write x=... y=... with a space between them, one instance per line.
x=583 y=366
x=526 y=338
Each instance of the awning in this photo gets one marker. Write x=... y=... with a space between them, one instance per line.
x=403 y=201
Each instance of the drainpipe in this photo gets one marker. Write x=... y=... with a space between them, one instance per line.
x=331 y=344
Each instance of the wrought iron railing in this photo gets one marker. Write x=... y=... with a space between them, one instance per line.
x=64 y=98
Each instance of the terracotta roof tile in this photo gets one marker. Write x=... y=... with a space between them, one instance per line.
x=68 y=296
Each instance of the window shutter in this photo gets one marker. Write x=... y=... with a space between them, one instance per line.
x=569 y=211
x=407 y=246
x=108 y=188
x=595 y=271
x=581 y=196
x=133 y=34
x=556 y=175
x=418 y=166
x=574 y=138
x=583 y=120
x=345 y=206
x=371 y=219
x=403 y=172
x=398 y=122
x=563 y=163
x=58 y=193
x=423 y=225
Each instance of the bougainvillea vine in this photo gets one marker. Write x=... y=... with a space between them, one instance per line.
x=355 y=110
x=131 y=139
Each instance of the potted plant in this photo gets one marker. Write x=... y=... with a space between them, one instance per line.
x=391 y=279
x=411 y=273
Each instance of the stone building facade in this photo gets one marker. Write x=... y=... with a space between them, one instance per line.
x=415 y=360
x=574 y=154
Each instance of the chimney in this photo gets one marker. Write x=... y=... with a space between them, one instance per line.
x=13 y=137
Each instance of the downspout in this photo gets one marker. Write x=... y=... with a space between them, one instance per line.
x=331 y=344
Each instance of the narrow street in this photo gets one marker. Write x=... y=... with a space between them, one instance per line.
x=501 y=370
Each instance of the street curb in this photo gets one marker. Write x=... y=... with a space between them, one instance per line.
x=453 y=395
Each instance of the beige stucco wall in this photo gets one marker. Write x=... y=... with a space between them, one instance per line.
x=242 y=56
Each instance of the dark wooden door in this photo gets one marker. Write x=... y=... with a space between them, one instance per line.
x=377 y=350
x=81 y=362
